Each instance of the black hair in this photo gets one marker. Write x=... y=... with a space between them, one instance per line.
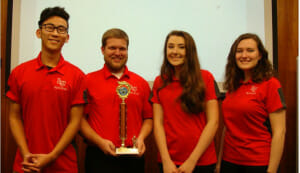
x=55 y=11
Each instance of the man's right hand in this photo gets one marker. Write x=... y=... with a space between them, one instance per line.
x=108 y=147
x=28 y=163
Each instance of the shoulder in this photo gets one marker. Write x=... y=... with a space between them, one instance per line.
x=158 y=79
x=272 y=82
x=157 y=82
x=93 y=74
x=206 y=75
x=25 y=65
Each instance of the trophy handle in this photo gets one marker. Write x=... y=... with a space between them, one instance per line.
x=123 y=123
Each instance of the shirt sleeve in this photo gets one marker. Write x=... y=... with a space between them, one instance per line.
x=154 y=95
x=274 y=96
x=147 y=109
x=211 y=89
x=87 y=106
x=14 y=92
x=80 y=90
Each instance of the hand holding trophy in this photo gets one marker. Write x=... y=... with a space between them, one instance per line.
x=123 y=90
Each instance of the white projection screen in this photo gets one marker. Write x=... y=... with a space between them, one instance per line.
x=214 y=25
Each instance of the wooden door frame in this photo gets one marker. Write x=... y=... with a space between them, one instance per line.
x=8 y=145
x=287 y=49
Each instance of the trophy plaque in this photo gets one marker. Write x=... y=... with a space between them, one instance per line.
x=123 y=90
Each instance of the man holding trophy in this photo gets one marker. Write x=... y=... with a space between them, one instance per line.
x=119 y=114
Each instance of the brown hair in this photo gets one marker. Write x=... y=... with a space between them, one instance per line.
x=114 y=33
x=193 y=94
x=262 y=71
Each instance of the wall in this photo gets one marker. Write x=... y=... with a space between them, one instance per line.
x=213 y=24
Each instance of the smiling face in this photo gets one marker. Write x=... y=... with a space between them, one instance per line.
x=115 y=54
x=176 y=51
x=53 y=41
x=247 y=55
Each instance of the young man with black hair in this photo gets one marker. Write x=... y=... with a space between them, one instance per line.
x=46 y=102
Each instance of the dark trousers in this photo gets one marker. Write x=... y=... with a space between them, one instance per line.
x=198 y=169
x=97 y=162
x=228 y=167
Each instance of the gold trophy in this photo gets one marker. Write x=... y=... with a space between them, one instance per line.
x=123 y=90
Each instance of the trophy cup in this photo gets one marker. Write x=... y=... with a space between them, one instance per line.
x=123 y=90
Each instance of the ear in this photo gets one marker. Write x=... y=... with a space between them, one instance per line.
x=260 y=56
x=67 y=39
x=102 y=49
x=38 y=33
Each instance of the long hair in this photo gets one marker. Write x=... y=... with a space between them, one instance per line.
x=262 y=71
x=193 y=94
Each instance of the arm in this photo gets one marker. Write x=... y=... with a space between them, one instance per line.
x=208 y=133
x=71 y=130
x=278 y=125
x=145 y=131
x=17 y=129
x=160 y=138
x=105 y=145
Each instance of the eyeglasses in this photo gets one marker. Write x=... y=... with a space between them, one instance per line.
x=50 y=28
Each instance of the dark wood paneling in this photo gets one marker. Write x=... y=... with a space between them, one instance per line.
x=8 y=146
x=219 y=132
x=287 y=20
x=151 y=165
x=81 y=152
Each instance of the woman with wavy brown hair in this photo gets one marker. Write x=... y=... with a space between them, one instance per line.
x=185 y=109
x=253 y=110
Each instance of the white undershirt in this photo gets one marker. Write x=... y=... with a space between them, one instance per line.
x=118 y=75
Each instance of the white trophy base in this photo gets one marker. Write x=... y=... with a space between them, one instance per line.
x=127 y=151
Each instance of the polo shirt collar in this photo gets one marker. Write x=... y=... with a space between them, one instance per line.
x=57 y=68
x=108 y=74
x=174 y=78
x=248 y=82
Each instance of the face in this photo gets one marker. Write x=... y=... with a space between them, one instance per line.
x=115 y=54
x=53 y=41
x=247 y=54
x=176 y=51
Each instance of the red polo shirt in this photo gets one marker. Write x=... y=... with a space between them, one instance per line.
x=183 y=130
x=104 y=104
x=46 y=97
x=246 y=115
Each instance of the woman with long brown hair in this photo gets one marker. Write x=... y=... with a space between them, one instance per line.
x=185 y=109
x=253 y=110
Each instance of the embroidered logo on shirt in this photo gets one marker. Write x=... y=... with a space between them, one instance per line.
x=61 y=84
x=134 y=90
x=252 y=90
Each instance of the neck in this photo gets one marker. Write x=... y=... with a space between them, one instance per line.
x=50 y=59
x=114 y=70
x=177 y=71
x=247 y=76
